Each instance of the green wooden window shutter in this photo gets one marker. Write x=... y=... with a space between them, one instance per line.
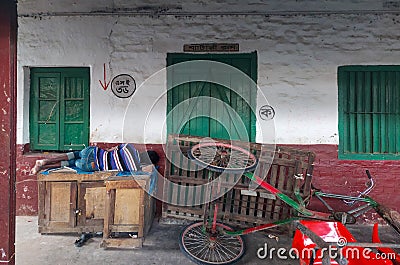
x=59 y=108
x=205 y=126
x=369 y=116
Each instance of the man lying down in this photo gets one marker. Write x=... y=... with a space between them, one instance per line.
x=123 y=157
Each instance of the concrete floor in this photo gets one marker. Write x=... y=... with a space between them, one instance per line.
x=160 y=247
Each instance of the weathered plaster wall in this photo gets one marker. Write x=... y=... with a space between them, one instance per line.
x=298 y=55
x=45 y=6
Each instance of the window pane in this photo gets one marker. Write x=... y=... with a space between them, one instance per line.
x=74 y=110
x=47 y=134
x=48 y=87
x=48 y=110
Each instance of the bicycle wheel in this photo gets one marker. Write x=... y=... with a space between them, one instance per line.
x=222 y=157
x=205 y=248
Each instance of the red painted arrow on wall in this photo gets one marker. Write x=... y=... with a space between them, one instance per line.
x=106 y=84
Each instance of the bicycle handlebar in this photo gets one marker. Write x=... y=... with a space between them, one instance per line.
x=370 y=186
x=368 y=174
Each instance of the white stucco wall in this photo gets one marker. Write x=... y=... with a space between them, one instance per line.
x=298 y=54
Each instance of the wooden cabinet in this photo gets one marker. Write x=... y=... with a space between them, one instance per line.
x=72 y=203
x=129 y=212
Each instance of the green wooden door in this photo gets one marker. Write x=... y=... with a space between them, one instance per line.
x=210 y=114
x=59 y=108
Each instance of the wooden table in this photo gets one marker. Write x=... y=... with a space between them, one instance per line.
x=95 y=202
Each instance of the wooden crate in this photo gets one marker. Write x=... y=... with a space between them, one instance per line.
x=238 y=206
x=129 y=212
x=71 y=203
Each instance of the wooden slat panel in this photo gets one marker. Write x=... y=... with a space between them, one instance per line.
x=95 y=176
x=60 y=203
x=124 y=214
x=352 y=115
x=95 y=202
x=382 y=116
x=359 y=99
x=375 y=109
x=236 y=209
x=391 y=104
x=368 y=110
x=122 y=243
x=397 y=111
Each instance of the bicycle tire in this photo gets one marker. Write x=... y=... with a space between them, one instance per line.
x=214 y=165
x=203 y=250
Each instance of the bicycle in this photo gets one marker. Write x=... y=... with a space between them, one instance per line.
x=211 y=242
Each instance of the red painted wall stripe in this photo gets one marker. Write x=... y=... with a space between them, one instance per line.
x=330 y=174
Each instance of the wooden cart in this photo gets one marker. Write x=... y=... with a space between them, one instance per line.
x=239 y=206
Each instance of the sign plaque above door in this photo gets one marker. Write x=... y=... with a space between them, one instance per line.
x=211 y=47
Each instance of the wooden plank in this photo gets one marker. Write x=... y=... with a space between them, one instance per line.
x=352 y=116
x=73 y=203
x=243 y=206
x=173 y=189
x=95 y=202
x=42 y=192
x=122 y=243
x=260 y=206
x=280 y=183
x=95 y=176
x=290 y=178
x=190 y=210
x=272 y=181
x=167 y=186
x=252 y=206
x=375 y=109
x=177 y=179
x=382 y=117
x=109 y=213
x=190 y=192
x=397 y=110
x=128 y=210
x=60 y=201
x=124 y=212
x=391 y=105
x=91 y=202
x=201 y=179
x=141 y=203
x=150 y=211
x=125 y=228
x=368 y=109
x=360 y=108
x=236 y=202
x=128 y=183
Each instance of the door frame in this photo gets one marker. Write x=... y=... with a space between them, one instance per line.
x=253 y=74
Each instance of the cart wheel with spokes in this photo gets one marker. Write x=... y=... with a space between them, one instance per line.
x=220 y=157
x=204 y=247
